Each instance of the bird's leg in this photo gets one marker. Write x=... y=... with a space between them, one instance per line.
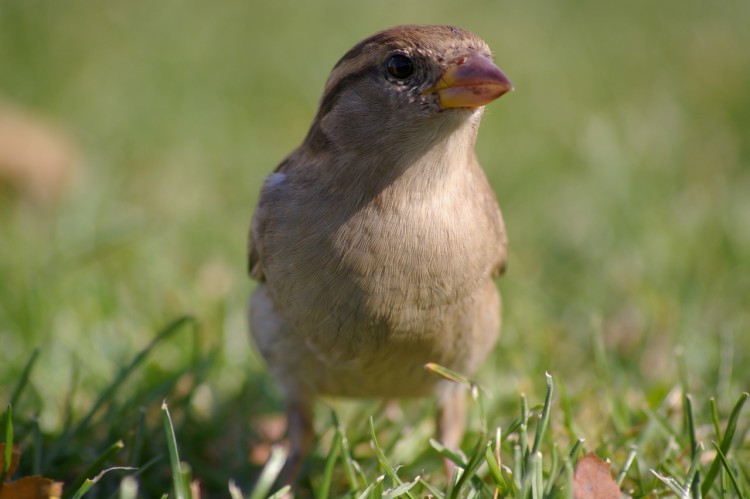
x=451 y=416
x=451 y=420
x=299 y=413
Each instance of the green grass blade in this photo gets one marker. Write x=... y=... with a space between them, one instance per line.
x=570 y=458
x=108 y=393
x=576 y=449
x=508 y=475
x=473 y=465
x=569 y=475
x=477 y=394
x=448 y=374
x=138 y=439
x=431 y=489
x=475 y=390
x=180 y=491
x=282 y=492
x=544 y=420
x=447 y=453
x=401 y=490
x=537 y=475
x=726 y=443
x=671 y=483
x=8 y=440
x=728 y=469
x=333 y=456
x=110 y=390
x=186 y=474
x=453 y=481
x=348 y=460
x=234 y=491
x=523 y=434
x=526 y=479
x=494 y=468
x=518 y=466
x=692 y=480
x=639 y=478
x=87 y=484
x=688 y=409
x=389 y=470
x=661 y=423
x=626 y=467
x=715 y=417
x=377 y=492
x=371 y=488
x=553 y=466
x=92 y=469
x=38 y=448
x=494 y=463
x=359 y=472
x=24 y=378
x=346 y=455
x=270 y=472
x=90 y=482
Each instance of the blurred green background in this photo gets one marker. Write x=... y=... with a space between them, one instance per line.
x=621 y=162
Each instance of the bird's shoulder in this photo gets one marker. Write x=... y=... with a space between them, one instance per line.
x=254 y=254
x=277 y=186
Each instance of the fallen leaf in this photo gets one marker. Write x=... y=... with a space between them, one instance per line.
x=593 y=480
x=15 y=457
x=31 y=487
x=37 y=158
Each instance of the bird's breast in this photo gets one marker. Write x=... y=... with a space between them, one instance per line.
x=417 y=253
x=397 y=270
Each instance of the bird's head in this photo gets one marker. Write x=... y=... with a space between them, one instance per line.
x=406 y=86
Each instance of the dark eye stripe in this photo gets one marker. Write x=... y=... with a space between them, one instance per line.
x=330 y=97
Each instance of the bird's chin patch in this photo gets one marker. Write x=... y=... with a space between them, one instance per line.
x=463 y=114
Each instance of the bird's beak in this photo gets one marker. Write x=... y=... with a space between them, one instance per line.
x=472 y=81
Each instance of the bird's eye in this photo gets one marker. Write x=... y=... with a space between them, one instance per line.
x=400 y=66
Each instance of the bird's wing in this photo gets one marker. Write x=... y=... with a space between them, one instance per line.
x=254 y=267
x=258 y=225
x=254 y=262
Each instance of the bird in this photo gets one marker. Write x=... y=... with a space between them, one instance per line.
x=376 y=242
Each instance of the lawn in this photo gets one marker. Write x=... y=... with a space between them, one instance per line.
x=622 y=166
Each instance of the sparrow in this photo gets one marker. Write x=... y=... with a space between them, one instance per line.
x=375 y=242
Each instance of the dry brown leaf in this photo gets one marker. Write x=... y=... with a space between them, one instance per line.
x=15 y=457
x=32 y=487
x=593 y=480
x=37 y=158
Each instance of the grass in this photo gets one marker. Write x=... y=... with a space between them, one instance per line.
x=621 y=162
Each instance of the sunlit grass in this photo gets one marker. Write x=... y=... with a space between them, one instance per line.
x=621 y=163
